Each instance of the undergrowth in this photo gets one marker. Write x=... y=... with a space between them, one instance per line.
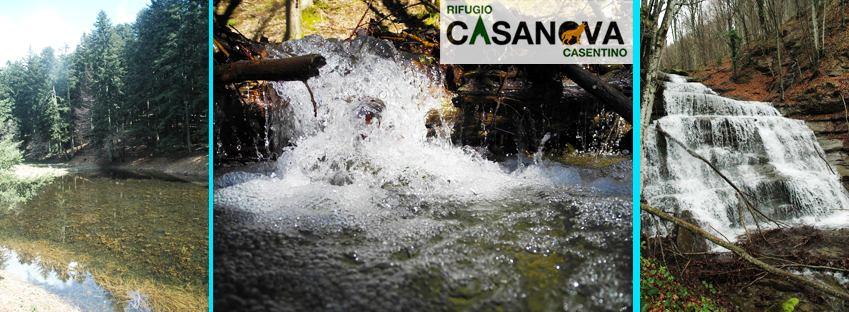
x=660 y=291
x=13 y=189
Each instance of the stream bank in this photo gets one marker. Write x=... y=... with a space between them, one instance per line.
x=192 y=168
x=735 y=284
x=139 y=232
x=188 y=168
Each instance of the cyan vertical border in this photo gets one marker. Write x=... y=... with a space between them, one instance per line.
x=635 y=154
x=209 y=167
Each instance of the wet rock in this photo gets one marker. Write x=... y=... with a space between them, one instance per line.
x=688 y=241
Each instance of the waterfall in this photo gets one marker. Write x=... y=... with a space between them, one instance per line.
x=777 y=161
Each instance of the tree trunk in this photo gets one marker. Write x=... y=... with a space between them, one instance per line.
x=779 y=43
x=814 y=28
x=761 y=18
x=609 y=96
x=652 y=60
x=288 y=69
x=293 y=20
x=186 y=126
x=824 y=8
x=818 y=285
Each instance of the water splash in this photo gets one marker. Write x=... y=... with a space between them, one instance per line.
x=337 y=152
x=776 y=160
x=405 y=213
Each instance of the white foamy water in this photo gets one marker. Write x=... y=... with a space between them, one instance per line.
x=336 y=159
x=776 y=160
x=384 y=208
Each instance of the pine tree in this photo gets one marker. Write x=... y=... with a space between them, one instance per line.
x=124 y=86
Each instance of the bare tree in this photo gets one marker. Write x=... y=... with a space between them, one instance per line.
x=655 y=16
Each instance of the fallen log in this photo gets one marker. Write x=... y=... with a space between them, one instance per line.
x=609 y=96
x=298 y=68
x=818 y=285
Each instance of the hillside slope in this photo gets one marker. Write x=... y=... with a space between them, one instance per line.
x=814 y=91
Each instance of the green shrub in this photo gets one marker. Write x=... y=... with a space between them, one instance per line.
x=10 y=154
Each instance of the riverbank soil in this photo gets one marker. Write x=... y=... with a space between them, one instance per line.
x=736 y=285
x=816 y=90
x=180 y=167
x=20 y=295
x=191 y=168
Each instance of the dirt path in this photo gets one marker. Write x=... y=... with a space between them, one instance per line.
x=19 y=295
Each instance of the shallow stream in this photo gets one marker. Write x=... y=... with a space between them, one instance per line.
x=98 y=240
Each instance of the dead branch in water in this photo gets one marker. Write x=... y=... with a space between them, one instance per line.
x=298 y=68
x=312 y=98
x=845 y=112
x=828 y=289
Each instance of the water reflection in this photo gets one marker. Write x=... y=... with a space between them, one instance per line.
x=76 y=288
x=139 y=238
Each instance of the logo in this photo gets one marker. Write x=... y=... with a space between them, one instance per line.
x=536 y=32
x=570 y=32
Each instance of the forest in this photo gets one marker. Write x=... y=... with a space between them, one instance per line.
x=744 y=155
x=103 y=146
x=125 y=90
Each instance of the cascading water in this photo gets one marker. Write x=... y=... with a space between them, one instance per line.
x=365 y=210
x=775 y=160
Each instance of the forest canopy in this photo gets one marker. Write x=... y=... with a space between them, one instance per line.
x=126 y=89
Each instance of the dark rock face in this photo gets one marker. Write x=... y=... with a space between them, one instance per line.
x=508 y=109
x=686 y=240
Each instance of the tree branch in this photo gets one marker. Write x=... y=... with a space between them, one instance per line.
x=831 y=290
x=296 y=68
x=609 y=96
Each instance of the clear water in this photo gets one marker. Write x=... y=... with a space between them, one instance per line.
x=392 y=218
x=76 y=288
x=776 y=160
x=133 y=236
